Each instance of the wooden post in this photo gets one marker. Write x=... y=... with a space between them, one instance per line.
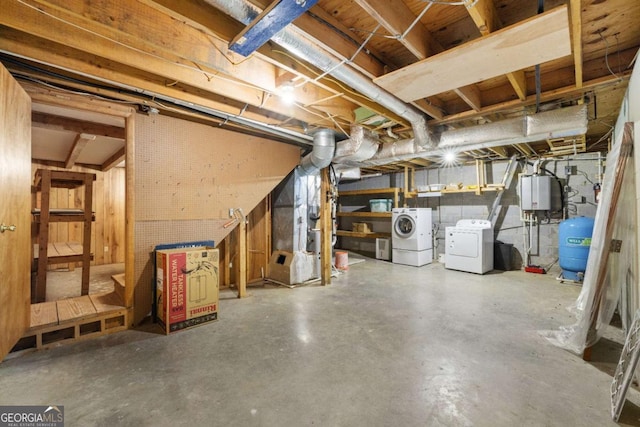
x=479 y=177
x=325 y=227
x=43 y=236
x=129 y=207
x=86 y=233
x=268 y=236
x=406 y=182
x=242 y=258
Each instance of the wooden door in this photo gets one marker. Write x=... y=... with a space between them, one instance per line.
x=15 y=190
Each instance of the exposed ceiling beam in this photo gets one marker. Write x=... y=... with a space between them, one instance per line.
x=396 y=18
x=576 y=37
x=79 y=144
x=208 y=19
x=114 y=160
x=485 y=16
x=50 y=121
x=543 y=38
x=202 y=67
x=544 y=97
x=500 y=151
x=270 y=21
x=65 y=58
x=471 y=95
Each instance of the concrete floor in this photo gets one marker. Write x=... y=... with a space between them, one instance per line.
x=383 y=345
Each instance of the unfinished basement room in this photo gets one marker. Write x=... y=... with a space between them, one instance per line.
x=319 y=213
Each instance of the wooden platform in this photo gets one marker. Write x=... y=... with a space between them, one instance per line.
x=73 y=319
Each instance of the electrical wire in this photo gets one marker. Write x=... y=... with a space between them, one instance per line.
x=467 y=3
x=606 y=55
x=336 y=82
x=585 y=177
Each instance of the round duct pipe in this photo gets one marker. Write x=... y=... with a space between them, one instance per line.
x=324 y=144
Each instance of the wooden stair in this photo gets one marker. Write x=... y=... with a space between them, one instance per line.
x=73 y=319
x=118 y=285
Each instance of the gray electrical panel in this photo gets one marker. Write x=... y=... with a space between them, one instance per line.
x=535 y=193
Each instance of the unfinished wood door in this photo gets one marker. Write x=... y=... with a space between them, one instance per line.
x=15 y=193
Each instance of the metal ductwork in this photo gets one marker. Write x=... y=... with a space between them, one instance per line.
x=324 y=144
x=243 y=11
x=362 y=145
x=560 y=123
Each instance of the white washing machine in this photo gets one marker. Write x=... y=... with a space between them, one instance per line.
x=411 y=238
x=469 y=246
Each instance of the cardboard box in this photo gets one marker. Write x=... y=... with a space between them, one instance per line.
x=187 y=287
x=361 y=227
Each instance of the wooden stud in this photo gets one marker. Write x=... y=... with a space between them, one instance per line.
x=241 y=280
x=86 y=234
x=325 y=227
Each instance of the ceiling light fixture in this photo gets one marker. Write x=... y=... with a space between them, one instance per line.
x=287 y=93
x=448 y=158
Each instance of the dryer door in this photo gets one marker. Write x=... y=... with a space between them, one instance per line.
x=463 y=243
x=404 y=227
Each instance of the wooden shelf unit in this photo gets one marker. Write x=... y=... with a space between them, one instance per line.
x=365 y=214
x=46 y=253
x=394 y=191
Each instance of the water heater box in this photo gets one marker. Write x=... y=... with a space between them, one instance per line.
x=535 y=193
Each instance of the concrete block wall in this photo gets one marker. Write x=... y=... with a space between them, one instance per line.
x=449 y=208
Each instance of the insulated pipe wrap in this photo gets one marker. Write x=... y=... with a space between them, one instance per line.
x=362 y=145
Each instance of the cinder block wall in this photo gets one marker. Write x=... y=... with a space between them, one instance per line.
x=449 y=208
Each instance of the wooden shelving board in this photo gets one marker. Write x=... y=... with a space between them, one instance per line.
x=370 y=191
x=365 y=214
x=345 y=233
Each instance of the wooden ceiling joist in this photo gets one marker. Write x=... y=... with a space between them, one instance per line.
x=211 y=21
x=199 y=65
x=114 y=160
x=50 y=121
x=542 y=38
x=79 y=144
x=576 y=39
x=396 y=18
x=485 y=16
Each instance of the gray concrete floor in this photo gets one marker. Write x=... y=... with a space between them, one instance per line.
x=383 y=345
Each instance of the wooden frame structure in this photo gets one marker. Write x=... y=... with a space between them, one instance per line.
x=50 y=97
